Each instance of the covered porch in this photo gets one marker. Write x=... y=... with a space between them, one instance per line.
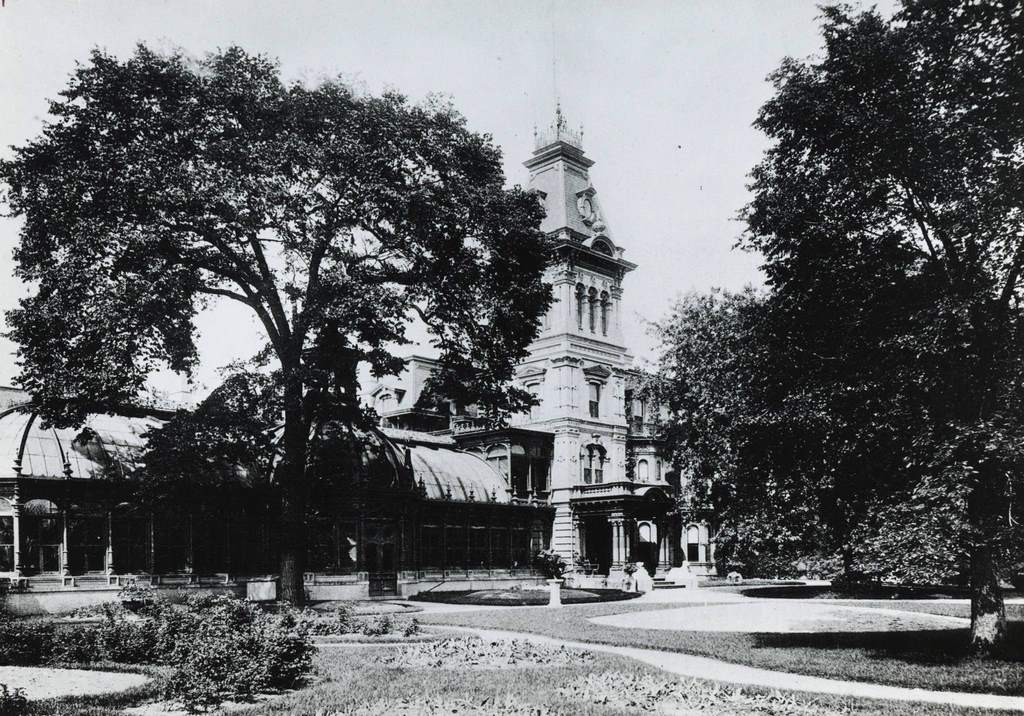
x=614 y=528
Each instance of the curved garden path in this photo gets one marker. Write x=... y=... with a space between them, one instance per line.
x=701 y=667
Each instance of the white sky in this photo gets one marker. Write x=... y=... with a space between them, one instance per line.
x=666 y=92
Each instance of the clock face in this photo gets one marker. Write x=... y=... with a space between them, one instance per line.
x=586 y=208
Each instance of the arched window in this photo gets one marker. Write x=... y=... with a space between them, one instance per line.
x=693 y=543
x=604 y=313
x=497 y=457
x=592 y=297
x=593 y=457
x=581 y=300
x=602 y=247
x=643 y=471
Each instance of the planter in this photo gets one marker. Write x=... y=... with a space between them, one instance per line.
x=555 y=587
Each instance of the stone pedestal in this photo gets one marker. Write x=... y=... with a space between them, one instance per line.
x=555 y=588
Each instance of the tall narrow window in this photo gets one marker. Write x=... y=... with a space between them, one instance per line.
x=593 y=464
x=604 y=313
x=593 y=309
x=643 y=471
x=6 y=536
x=581 y=301
x=595 y=400
x=692 y=544
x=534 y=391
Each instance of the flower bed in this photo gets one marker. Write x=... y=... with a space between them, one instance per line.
x=474 y=652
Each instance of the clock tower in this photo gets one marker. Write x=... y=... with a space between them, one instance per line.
x=580 y=369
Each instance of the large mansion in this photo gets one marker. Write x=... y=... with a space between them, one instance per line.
x=440 y=502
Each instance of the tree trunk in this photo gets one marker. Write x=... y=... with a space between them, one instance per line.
x=293 y=545
x=988 y=615
x=291 y=476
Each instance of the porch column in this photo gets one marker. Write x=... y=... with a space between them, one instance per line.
x=664 y=542
x=618 y=541
x=16 y=524
x=581 y=533
x=65 y=564
x=108 y=557
x=628 y=532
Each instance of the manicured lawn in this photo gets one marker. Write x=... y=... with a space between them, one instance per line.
x=925 y=659
x=355 y=681
x=524 y=597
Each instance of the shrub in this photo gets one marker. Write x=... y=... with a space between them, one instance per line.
x=135 y=596
x=12 y=701
x=226 y=648
x=344 y=616
x=412 y=628
x=26 y=643
x=218 y=647
x=379 y=626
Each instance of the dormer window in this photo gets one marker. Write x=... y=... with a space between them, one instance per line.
x=602 y=247
x=385 y=403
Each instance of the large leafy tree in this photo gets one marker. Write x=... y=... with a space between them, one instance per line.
x=162 y=183
x=890 y=212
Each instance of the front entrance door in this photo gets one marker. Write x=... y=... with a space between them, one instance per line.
x=381 y=564
x=598 y=548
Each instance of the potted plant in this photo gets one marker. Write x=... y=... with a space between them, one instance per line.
x=551 y=564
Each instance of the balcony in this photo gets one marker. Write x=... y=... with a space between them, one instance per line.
x=638 y=428
x=468 y=424
x=623 y=488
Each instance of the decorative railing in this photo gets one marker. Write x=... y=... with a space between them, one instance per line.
x=608 y=489
x=467 y=424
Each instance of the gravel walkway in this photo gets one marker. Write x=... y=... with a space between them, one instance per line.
x=701 y=667
x=43 y=683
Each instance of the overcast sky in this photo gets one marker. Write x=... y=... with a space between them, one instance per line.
x=666 y=92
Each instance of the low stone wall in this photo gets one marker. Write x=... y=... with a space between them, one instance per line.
x=56 y=598
x=61 y=600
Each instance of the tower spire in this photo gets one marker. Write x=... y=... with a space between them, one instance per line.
x=558 y=131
